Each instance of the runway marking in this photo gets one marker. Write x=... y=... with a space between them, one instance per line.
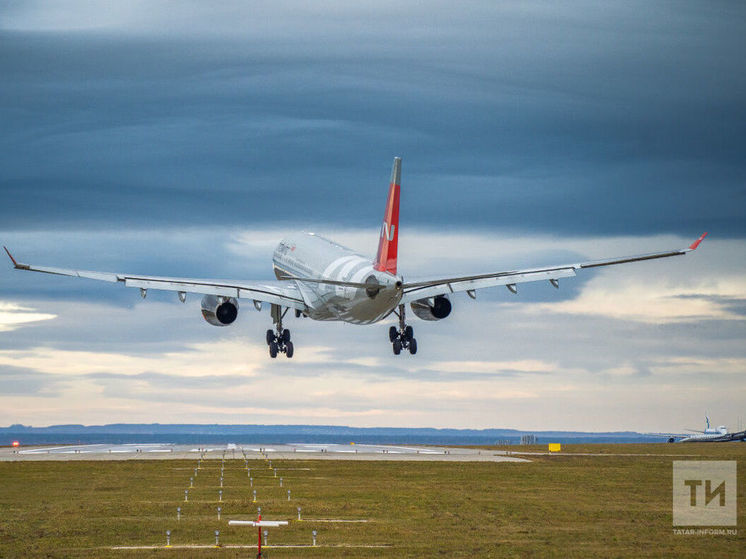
x=333 y=451
x=92 y=448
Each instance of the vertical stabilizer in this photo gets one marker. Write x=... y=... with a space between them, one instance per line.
x=388 y=243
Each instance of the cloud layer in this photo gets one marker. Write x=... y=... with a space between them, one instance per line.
x=186 y=139
x=522 y=115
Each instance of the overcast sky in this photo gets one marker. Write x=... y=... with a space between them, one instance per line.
x=186 y=139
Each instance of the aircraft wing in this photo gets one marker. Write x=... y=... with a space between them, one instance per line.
x=274 y=292
x=432 y=288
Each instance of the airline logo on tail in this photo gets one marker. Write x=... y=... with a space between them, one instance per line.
x=387 y=231
x=387 y=245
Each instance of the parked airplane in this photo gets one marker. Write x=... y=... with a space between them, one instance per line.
x=323 y=280
x=709 y=435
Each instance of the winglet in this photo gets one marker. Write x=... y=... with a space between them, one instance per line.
x=695 y=244
x=15 y=264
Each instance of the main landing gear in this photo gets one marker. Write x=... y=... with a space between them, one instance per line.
x=279 y=341
x=403 y=337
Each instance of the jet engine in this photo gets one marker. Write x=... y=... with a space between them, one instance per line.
x=219 y=311
x=432 y=308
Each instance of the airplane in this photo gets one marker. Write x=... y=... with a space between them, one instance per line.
x=322 y=280
x=709 y=435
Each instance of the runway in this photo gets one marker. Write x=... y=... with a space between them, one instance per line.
x=292 y=451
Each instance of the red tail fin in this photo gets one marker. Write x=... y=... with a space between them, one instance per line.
x=387 y=245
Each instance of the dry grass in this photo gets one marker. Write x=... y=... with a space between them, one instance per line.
x=568 y=505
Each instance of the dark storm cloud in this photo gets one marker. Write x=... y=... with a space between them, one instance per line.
x=576 y=119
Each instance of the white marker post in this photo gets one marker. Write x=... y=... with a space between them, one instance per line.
x=186 y=495
x=219 y=509
x=314 y=537
x=288 y=494
x=168 y=538
x=254 y=496
x=217 y=536
x=220 y=495
x=275 y=472
x=178 y=513
x=280 y=482
x=191 y=482
x=298 y=513
x=265 y=538
x=259 y=523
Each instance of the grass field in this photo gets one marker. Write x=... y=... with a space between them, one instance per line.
x=615 y=503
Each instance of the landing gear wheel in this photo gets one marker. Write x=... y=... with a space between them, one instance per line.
x=278 y=339
x=402 y=337
x=393 y=333
x=412 y=346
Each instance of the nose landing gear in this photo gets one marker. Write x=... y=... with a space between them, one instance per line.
x=279 y=341
x=403 y=337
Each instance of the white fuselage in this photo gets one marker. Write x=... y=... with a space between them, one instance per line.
x=310 y=256
x=708 y=435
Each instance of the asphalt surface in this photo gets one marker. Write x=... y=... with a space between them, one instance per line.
x=299 y=451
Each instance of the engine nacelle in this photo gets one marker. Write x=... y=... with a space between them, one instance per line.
x=432 y=308
x=219 y=311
